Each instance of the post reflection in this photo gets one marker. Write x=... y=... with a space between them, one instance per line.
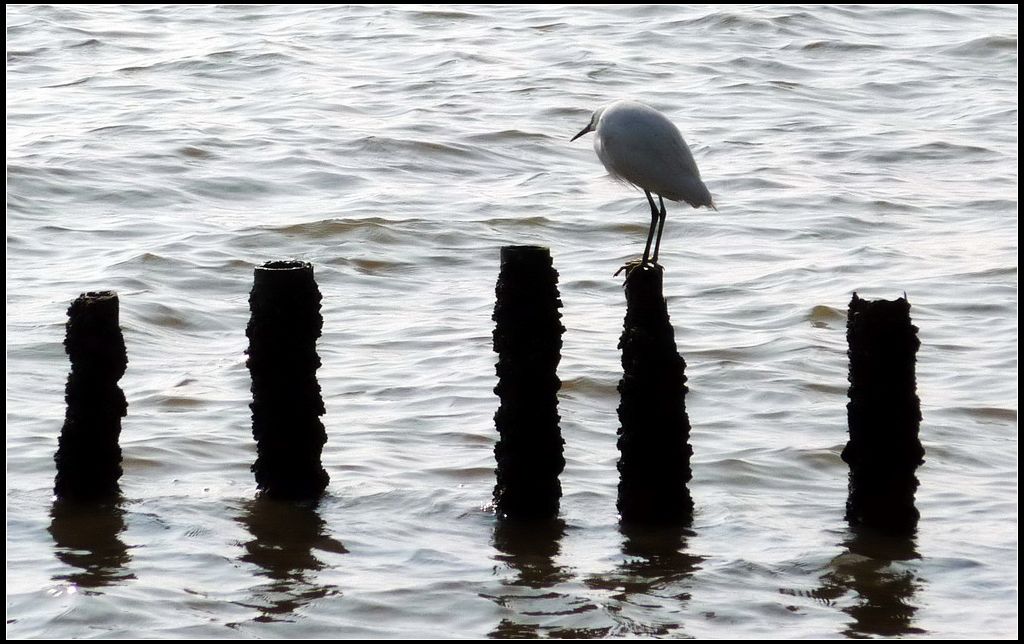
x=285 y=534
x=652 y=583
x=88 y=538
x=659 y=553
x=530 y=550
x=884 y=587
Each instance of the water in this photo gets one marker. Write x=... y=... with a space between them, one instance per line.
x=165 y=151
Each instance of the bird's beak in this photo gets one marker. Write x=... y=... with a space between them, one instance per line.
x=582 y=132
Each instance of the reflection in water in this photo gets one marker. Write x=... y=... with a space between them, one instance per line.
x=651 y=584
x=284 y=536
x=87 y=536
x=529 y=549
x=884 y=588
x=660 y=552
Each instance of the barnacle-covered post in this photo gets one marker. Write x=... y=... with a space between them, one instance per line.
x=884 y=415
x=528 y=340
x=654 y=462
x=283 y=328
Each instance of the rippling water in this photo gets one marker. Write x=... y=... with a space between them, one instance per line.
x=165 y=151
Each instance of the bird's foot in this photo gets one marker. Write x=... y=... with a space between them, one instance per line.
x=629 y=267
x=634 y=264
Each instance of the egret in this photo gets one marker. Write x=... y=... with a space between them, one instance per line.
x=640 y=146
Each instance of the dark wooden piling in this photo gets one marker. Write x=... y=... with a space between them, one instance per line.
x=654 y=466
x=88 y=455
x=528 y=341
x=283 y=328
x=884 y=415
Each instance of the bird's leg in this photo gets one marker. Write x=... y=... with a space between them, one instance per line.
x=661 y=229
x=632 y=265
x=650 y=233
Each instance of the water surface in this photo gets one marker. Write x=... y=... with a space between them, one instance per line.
x=165 y=151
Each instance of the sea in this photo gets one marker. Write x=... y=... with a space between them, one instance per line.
x=165 y=151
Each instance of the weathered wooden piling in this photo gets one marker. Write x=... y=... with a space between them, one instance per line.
x=884 y=415
x=528 y=341
x=654 y=466
x=88 y=456
x=286 y=406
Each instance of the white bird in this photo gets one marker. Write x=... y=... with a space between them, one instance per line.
x=639 y=145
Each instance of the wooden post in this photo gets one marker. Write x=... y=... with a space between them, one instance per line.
x=884 y=415
x=654 y=466
x=286 y=404
x=528 y=341
x=88 y=456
